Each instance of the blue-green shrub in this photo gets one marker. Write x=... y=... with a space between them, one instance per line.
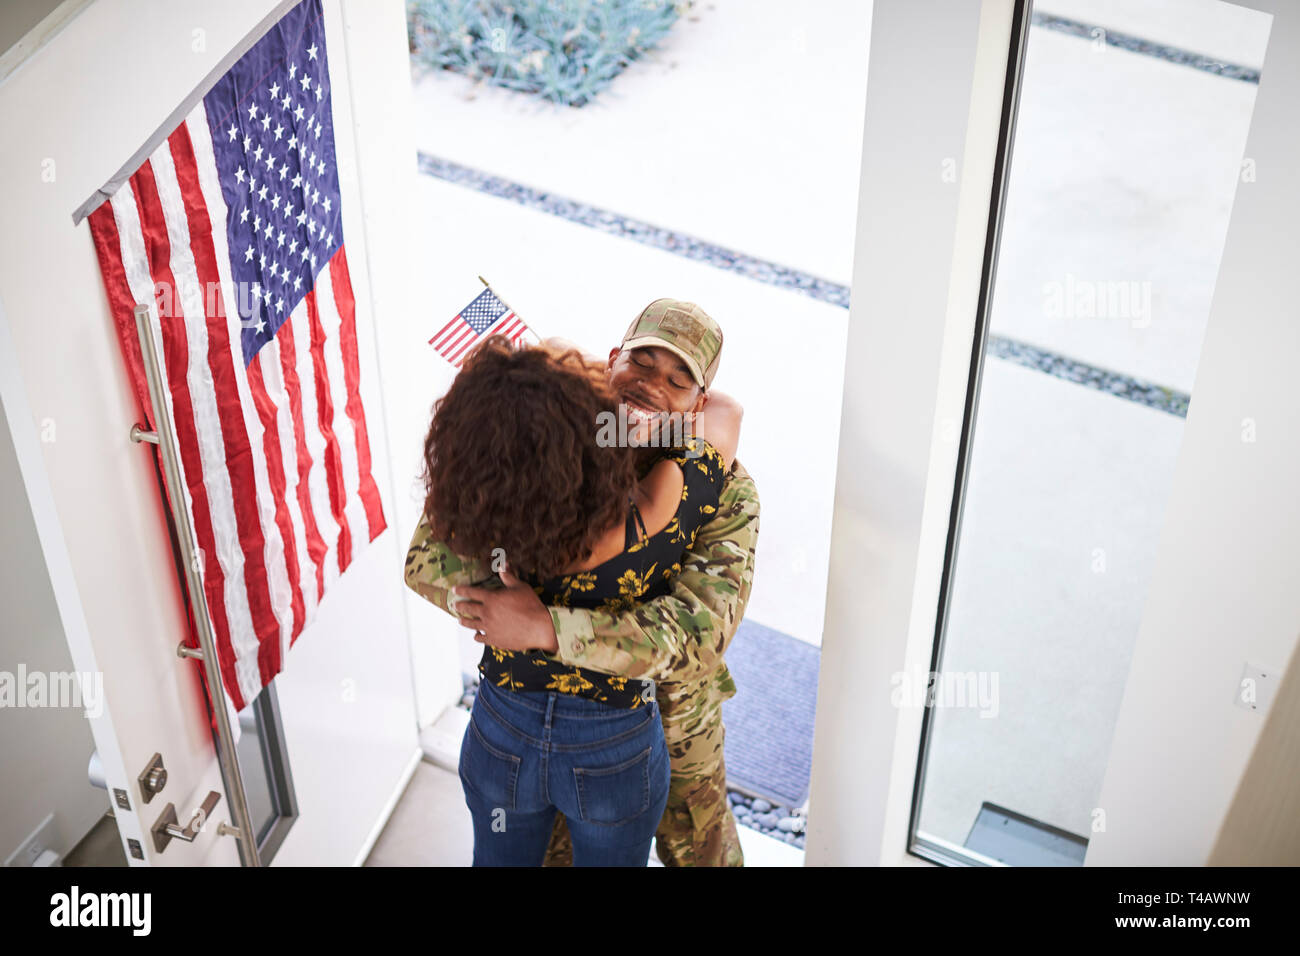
x=564 y=50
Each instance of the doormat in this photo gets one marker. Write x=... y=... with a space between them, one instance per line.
x=769 y=736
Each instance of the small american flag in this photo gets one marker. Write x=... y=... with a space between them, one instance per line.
x=486 y=315
x=232 y=228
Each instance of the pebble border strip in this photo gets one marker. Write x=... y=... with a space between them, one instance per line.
x=626 y=228
x=786 y=824
x=824 y=290
x=1081 y=373
x=1134 y=44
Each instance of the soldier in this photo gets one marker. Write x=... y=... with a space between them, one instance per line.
x=665 y=363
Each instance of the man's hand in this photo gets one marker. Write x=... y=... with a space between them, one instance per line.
x=513 y=618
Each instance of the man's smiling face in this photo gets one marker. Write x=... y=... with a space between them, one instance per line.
x=650 y=380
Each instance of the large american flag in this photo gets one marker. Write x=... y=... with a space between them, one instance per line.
x=486 y=315
x=232 y=229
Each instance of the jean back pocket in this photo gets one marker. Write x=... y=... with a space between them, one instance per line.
x=612 y=796
x=491 y=773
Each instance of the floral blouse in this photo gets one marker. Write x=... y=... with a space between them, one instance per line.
x=641 y=572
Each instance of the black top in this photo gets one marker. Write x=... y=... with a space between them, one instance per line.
x=641 y=572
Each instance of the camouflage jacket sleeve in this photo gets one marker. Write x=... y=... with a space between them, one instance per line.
x=433 y=569
x=681 y=636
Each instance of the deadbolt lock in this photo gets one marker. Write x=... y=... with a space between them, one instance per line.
x=153 y=778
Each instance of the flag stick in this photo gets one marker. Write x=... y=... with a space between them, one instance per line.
x=509 y=306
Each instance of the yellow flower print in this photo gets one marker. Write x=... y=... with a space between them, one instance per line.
x=616 y=682
x=509 y=683
x=633 y=585
x=569 y=683
x=575 y=584
x=629 y=583
x=617 y=605
x=630 y=587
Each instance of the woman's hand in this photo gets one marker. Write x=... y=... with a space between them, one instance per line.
x=512 y=618
x=718 y=423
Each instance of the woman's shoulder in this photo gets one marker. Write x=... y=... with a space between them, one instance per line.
x=660 y=493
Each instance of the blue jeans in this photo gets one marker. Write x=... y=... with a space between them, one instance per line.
x=527 y=754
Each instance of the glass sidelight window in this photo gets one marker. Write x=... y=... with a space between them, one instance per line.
x=264 y=767
x=1126 y=154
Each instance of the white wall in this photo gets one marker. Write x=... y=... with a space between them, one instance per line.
x=87 y=101
x=920 y=243
x=1224 y=589
x=404 y=282
x=31 y=634
x=1262 y=827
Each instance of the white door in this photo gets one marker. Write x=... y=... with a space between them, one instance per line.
x=91 y=493
x=140 y=698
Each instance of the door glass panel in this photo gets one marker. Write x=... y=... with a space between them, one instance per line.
x=264 y=767
x=1127 y=154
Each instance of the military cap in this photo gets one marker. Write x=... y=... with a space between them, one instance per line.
x=682 y=328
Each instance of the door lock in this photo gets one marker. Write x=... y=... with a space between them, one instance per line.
x=153 y=778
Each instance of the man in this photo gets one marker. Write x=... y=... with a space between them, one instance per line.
x=665 y=363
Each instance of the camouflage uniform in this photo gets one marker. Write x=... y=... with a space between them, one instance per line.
x=678 y=641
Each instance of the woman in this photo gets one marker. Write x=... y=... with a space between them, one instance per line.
x=515 y=472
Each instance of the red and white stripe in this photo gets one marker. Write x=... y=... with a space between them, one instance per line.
x=455 y=340
x=275 y=459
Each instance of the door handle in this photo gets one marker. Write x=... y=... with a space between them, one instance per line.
x=168 y=826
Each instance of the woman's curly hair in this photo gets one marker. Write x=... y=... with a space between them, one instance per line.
x=511 y=459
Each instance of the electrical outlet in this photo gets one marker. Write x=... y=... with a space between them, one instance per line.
x=1256 y=688
x=30 y=850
